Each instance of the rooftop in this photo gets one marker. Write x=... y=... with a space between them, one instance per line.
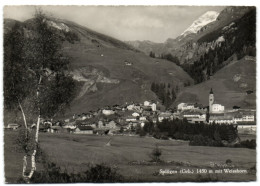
x=85 y=127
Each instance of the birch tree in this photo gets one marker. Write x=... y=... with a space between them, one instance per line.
x=36 y=78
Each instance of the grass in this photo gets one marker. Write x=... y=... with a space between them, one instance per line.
x=12 y=157
x=92 y=150
x=76 y=152
x=110 y=58
x=245 y=135
x=135 y=80
x=226 y=91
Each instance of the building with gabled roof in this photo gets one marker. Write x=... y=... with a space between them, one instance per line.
x=83 y=130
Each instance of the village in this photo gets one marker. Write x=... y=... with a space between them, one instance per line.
x=125 y=119
x=129 y=94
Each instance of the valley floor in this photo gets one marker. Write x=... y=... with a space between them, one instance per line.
x=130 y=155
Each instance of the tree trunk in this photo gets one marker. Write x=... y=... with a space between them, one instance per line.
x=27 y=178
x=24 y=118
x=39 y=109
x=24 y=165
x=26 y=136
x=33 y=164
x=37 y=129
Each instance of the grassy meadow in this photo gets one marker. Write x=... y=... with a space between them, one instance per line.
x=229 y=85
x=76 y=153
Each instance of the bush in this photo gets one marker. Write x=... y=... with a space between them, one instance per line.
x=142 y=133
x=199 y=140
x=247 y=144
x=156 y=153
x=178 y=135
x=161 y=135
x=102 y=174
x=228 y=161
x=99 y=173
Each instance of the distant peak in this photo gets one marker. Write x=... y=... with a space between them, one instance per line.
x=203 y=20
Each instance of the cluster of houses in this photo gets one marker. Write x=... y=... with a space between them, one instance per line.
x=126 y=118
x=216 y=113
x=108 y=120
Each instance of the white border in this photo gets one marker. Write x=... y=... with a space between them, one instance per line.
x=126 y=2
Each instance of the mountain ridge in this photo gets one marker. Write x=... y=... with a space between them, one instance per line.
x=203 y=20
x=230 y=85
x=109 y=71
x=178 y=46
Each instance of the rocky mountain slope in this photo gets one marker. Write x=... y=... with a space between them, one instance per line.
x=202 y=21
x=202 y=53
x=109 y=71
x=217 y=56
x=188 y=47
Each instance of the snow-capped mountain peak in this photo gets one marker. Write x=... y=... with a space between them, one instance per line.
x=203 y=20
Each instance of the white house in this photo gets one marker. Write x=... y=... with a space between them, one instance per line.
x=142 y=118
x=244 y=117
x=185 y=106
x=111 y=125
x=47 y=123
x=194 y=116
x=249 y=118
x=84 y=130
x=236 y=117
x=108 y=112
x=128 y=63
x=222 y=121
x=247 y=127
x=130 y=107
x=164 y=115
x=130 y=118
x=70 y=126
x=180 y=106
x=13 y=126
x=153 y=107
x=83 y=117
x=189 y=106
x=135 y=114
x=147 y=103
x=221 y=118
x=217 y=108
x=67 y=120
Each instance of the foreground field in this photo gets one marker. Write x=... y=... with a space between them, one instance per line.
x=128 y=154
x=75 y=152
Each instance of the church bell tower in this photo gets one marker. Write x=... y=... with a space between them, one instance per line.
x=211 y=100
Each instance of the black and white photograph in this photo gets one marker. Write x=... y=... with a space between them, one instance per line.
x=129 y=93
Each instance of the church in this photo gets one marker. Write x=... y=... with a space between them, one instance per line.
x=220 y=116
x=213 y=106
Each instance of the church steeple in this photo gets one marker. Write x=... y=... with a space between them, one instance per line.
x=211 y=100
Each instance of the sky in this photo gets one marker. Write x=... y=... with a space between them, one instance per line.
x=127 y=23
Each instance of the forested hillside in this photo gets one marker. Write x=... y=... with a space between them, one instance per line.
x=237 y=38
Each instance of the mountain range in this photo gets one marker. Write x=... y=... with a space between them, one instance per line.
x=112 y=72
x=188 y=46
